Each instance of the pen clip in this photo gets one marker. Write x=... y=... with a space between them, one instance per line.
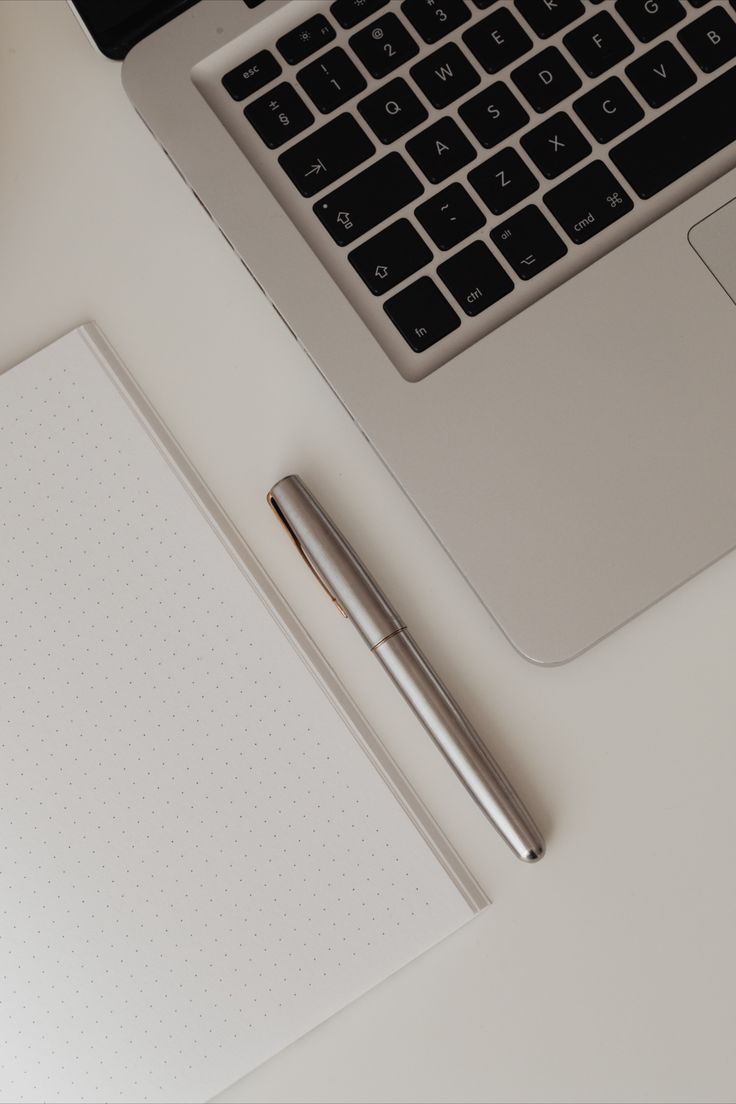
x=275 y=507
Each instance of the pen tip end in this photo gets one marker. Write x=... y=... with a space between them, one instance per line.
x=533 y=853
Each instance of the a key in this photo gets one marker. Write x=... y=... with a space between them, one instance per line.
x=384 y=45
x=251 y=75
x=710 y=40
x=421 y=314
x=588 y=201
x=393 y=254
x=503 y=180
x=393 y=110
x=556 y=145
x=598 y=44
x=445 y=75
x=547 y=18
x=679 y=139
x=497 y=40
x=368 y=199
x=474 y=278
x=326 y=155
x=493 y=114
x=661 y=74
x=305 y=40
x=649 y=18
x=331 y=80
x=449 y=216
x=546 y=79
x=349 y=13
x=279 y=115
x=433 y=19
x=528 y=242
x=440 y=150
x=608 y=110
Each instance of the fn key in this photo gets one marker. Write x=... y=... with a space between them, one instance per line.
x=421 y=314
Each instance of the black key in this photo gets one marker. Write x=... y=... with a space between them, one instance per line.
x=588 y=201
x=421 y=314
x=528 y=242
x=251 y=75
x=661 y=74
x=497 y=40
x=649 y=18
x=493 y=114
x=546 y=79
x=386 y=260
x=556 y=145
x=393 y=110
x=433 y=19
x=483 y=4
x=279 y=115
x=305 y=39
x=253 y=3
x=698 y=3
x=710 y=40
x=547 y=18
x=349 y=13
x=475 y=278
x=608 y=110
x=503 y=180
x=384 y=45
x=326 y=155
x=449 y=216
x=598 y=44
x=331 y=80
x=679 y=139
x=440 y=150
x=445 y=75
x=368 y=198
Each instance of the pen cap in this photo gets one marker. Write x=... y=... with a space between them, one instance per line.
x=333 y=561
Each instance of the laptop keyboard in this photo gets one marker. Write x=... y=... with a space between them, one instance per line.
x=441 y=156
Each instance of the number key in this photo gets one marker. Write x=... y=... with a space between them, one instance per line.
x=433 y=19
x=331 y=80
x=384 y=45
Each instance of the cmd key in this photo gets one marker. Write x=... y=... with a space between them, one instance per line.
x=368 y=199
x=588 y=201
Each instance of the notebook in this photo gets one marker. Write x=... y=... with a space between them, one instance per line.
x=204 y=850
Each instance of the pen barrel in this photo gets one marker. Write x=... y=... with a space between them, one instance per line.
x=459 y=743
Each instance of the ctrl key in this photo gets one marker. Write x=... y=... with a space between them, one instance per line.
x=421 y=314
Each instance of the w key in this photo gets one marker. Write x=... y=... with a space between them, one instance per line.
x=326 y=155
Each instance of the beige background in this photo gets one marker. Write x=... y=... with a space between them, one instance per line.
x=608 y=972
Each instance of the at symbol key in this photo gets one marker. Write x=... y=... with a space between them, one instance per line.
x=326 y=155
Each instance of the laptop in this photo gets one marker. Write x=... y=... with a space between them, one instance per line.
x=505 y=234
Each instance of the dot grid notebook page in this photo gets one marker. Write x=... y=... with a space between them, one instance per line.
x=198 y=859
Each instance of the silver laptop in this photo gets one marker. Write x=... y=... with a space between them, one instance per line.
x=505 y=233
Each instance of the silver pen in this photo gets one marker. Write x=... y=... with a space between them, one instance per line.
x=359 y=598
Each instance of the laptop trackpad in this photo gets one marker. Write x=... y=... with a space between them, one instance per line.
x=714 y=240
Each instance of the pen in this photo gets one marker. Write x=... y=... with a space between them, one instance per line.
x=359 y=598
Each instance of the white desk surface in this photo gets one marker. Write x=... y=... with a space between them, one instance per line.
x=606 y=973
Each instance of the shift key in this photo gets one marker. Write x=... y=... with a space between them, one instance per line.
x=368 y=199
x=326 y=154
